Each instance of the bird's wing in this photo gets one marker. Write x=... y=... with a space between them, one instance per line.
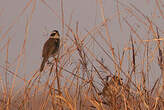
x=48 y=48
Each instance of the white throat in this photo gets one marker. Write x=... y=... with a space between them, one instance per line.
x=54 y=37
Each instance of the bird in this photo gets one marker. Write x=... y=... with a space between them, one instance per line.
x=113 y=86
x=50 y=48
x=111 y=91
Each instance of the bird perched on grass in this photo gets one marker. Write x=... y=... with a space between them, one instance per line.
x=50 y=48
x=113 y=86
x=112 y=92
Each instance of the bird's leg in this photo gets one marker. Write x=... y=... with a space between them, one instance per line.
x=52 y=62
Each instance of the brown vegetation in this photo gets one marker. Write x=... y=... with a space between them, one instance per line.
x=80 y=80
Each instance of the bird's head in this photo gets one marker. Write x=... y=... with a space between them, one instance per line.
x=54 y=34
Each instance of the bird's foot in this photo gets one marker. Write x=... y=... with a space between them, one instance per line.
x=50 y=63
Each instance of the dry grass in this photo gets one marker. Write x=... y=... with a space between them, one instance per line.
x=80 y=79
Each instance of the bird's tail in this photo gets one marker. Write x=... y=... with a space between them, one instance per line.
x=43 y=64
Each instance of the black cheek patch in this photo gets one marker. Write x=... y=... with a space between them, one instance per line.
x=53 y=34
